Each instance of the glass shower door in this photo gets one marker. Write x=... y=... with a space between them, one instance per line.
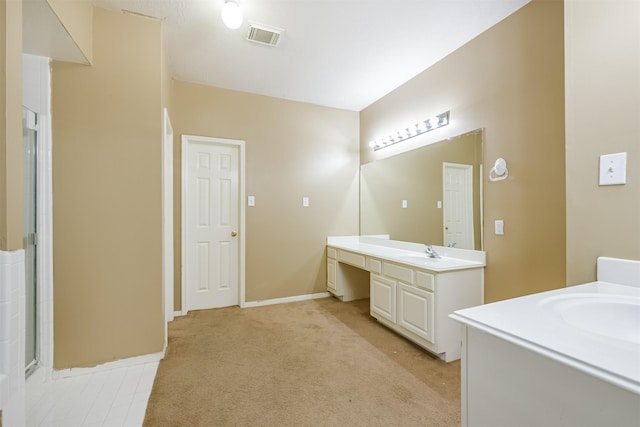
x=29 y=138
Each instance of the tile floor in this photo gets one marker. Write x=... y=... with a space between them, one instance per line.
x=117 y=398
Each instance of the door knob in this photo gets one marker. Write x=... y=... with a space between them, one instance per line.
x=234 y=233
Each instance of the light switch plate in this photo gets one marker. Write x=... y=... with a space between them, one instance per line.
x=613 y=169
x=404 y=204
x=499 y=227
x=251 y=200
x=305 y=202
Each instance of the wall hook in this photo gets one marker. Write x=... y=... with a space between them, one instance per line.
x=499 y=170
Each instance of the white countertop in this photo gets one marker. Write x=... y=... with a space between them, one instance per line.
x=397 y=251
x=532 y=322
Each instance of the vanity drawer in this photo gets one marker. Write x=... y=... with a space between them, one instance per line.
x=374 y=265
x=332 y=253
x=398 y=272
x=425 y=280
x=351 y=258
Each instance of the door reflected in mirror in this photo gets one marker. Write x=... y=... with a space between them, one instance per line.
x=429 y=195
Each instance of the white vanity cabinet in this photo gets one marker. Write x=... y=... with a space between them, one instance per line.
x=332 y=285
x=408 y=293
x=346 y=277
x=564 y=357
x=416 y=303
x=402 y=305
x=415 y=311
x=383 y=298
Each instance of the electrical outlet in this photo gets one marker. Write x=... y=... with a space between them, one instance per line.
x=305 y=202
x=251 y=200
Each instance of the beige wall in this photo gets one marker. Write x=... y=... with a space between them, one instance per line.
x=603 y=116
x=292 y=150
x=10 y=125
x=107 y=196
x=509 y=80
x=77 y=18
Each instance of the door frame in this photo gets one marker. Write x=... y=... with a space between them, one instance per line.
x=468 y=175
x=36 y=96
x=31 y=196
x=240 y=145
x=167 y=222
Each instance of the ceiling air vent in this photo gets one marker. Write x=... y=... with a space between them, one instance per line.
x=263 y=34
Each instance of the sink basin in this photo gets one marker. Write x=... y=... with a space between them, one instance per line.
x=612 y=316
x=419 y=259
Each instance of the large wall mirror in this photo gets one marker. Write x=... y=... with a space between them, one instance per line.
x=429 y=195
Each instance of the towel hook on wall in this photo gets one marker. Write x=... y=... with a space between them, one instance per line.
x=499 y=170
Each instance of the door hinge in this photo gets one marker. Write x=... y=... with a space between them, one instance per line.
x=32 y=239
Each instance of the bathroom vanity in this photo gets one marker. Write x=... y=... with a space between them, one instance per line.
x=568 y=357
x=409 y=292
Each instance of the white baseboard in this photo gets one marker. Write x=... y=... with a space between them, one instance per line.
x=178 y=313
x=296 y=298
x=122 y=363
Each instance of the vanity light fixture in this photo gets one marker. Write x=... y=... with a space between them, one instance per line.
x=409 y=132
x=232 y=14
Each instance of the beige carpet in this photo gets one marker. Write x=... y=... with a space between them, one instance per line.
x=310 y=363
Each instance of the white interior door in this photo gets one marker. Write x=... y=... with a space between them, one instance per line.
x=212 y=222
x=458 y=205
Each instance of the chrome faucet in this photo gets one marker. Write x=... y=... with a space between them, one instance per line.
x=431 y=253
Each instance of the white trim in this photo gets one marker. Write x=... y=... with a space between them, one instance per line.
x=12 y=337
x=242 y=211
x=296 y=298
x=167 y=222
x=177 y=314
x=183 y=234
x=122 y=363
x=481 y=194
x=45 y=245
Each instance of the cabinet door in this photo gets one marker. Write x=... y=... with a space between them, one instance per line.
x=415 y=311
x=383 y=297
x=331 y=275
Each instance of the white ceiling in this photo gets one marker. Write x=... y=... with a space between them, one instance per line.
x=338 y=53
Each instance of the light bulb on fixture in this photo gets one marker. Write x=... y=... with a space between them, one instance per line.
x=232 y=14
x=414 y=130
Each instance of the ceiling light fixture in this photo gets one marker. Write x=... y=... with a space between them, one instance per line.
x=232 y=14
x=409 y=132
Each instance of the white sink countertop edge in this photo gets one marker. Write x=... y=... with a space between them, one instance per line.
x=525 y=322
x=394 y=250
